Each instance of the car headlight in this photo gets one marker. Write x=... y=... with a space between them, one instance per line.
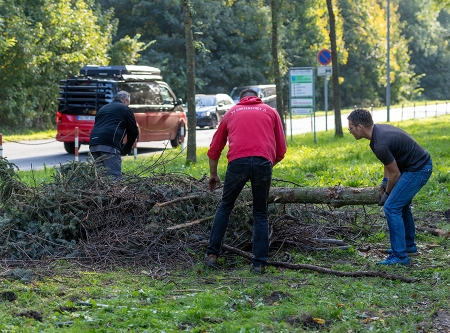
x=204 y=114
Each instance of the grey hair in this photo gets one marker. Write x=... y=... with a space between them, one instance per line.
x=122 y=96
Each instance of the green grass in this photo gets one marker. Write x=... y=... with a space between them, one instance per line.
x=29 y=134
x=233 y=300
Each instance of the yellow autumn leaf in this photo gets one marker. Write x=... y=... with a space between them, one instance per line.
x=319 y=321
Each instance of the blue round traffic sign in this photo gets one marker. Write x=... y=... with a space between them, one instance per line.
x=324 y=57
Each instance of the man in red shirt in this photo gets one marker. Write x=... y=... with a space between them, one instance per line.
x=256 y=143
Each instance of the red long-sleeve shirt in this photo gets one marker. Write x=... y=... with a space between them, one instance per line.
x=252 y=128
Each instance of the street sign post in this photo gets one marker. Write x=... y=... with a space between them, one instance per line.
x=324 y=71
x=324 y=58
x=301 y=92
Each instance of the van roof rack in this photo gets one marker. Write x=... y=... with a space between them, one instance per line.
x=128 y=72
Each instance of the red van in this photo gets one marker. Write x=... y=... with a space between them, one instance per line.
x=159 y=114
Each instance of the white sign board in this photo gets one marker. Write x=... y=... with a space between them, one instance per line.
x=302 y=102
x=301 y=111
x=324 y=71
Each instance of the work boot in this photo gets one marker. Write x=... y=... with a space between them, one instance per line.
x=257 y=269
x=211 y=261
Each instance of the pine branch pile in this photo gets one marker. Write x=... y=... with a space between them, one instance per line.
x=161 y=219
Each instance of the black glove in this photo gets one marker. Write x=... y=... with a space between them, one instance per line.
x=125 y=151
x=384 y=184
x=383 y=199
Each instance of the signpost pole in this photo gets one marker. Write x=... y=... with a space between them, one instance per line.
x=324 y=59
x=290 y=111
x=313 y=125
x=326 y=101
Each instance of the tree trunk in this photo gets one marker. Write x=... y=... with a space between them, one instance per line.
x=276 y=63
x=334 y=56
x=191 y=156
x=336 y=196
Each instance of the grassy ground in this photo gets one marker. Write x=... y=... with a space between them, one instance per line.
x=76 y=299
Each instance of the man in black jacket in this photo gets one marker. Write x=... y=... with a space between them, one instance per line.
x=112 y=122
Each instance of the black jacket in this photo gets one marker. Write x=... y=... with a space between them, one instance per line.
x=112 y=122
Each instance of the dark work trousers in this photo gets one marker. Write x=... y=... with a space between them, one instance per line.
x=112 y=162
x=258 y=171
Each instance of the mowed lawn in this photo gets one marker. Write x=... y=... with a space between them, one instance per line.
x=75 y=298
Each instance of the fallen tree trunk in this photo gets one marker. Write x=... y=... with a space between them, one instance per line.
x=336 y=196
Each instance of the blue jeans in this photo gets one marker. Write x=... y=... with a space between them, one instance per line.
x=398 y=209
x=259 y=171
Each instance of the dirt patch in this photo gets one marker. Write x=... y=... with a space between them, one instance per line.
x=440 y=322
x=306 y=321
x=432 y=218
x=447 y=214
x=31 y=314
x=275 y=297
x=67 y=309
x=8 y=296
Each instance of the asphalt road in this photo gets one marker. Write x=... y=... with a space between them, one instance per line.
x=39 y=154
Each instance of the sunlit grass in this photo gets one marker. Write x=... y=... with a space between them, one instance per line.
x=25 y=135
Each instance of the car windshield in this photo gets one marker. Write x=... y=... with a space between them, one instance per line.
x=205 y=101
x=237 y=91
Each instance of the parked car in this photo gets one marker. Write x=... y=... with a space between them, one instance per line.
x=158 y=112
x=210 y=109
x=267 y=93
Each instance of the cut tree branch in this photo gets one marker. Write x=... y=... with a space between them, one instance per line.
x=434 y=231
x=189 y=224
x=320 y=269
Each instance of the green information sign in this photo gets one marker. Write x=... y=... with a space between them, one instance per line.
x=301 y=78
x=301 y=93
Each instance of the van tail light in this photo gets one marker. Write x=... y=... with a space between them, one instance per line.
x=58 y=117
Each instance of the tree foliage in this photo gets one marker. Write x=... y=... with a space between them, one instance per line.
x=52 y=39
x=126 y=51
x=365 y=35
x=44 y=41
x=428 y=41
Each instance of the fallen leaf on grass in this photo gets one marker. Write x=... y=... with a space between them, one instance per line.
x=319 y=321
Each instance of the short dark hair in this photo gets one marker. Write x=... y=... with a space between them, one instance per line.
x=247 y=92
x=361 y=116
